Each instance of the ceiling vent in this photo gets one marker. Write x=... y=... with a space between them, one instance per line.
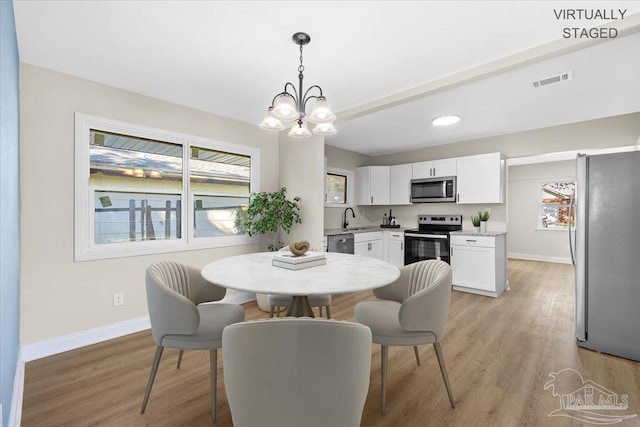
x=553 y=79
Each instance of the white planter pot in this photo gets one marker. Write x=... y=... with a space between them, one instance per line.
x=483 y=226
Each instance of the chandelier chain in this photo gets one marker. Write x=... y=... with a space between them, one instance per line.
x=301 y=67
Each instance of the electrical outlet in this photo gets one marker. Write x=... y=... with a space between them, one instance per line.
x=118 y=299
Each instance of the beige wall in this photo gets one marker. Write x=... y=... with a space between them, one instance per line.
x=302 y=172
x=348 y=160
x=608 y=132
x=524 y=240
x=60 y=296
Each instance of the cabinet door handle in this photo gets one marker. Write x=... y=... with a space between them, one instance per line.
x=471 y=240
x=371 y=199
x=402 y=246
x=369 y=247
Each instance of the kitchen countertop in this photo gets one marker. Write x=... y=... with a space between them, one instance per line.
x=477 y=233
x=367 y=229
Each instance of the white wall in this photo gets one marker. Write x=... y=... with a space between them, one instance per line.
x=524 y=239
x=60 y=296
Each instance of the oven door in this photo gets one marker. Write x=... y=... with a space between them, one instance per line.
x=418 y=247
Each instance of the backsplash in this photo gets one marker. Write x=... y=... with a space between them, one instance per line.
x=407 y=215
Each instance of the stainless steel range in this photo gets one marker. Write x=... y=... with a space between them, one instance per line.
x=431 y=239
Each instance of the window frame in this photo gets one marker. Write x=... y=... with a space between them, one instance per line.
x=350 y=177
x=86 y=249
x=540 y=205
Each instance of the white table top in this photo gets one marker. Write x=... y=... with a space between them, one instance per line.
x=342 y=273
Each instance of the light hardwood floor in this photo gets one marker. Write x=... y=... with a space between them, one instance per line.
x=499 y=353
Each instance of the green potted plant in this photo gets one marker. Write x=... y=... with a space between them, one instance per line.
x=475 y=220
x=268 y=213
x=484 y=217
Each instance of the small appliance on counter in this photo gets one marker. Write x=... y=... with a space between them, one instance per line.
x=389 y=222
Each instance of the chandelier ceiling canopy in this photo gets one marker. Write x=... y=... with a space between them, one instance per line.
x=291 y=104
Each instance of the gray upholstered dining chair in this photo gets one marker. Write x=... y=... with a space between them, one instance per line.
x=409 y=312
x=296 y=372
x=176 y=294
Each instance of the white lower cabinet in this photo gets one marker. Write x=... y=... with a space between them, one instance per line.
x=368 y=244
x=393 y=247
x=479 y=263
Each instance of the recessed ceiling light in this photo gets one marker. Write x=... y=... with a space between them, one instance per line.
x=447 y=120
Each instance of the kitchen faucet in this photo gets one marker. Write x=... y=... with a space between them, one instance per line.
x=345 y=224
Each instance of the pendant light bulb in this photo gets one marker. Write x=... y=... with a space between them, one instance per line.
x=299 y=130
x=284 y=107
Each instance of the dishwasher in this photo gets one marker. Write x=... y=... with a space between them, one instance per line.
x=342 y=243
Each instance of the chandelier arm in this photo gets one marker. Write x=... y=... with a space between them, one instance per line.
x=308 y=90
x=295 y=96
x=307 y=99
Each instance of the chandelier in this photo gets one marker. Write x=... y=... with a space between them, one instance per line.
x=291 y=105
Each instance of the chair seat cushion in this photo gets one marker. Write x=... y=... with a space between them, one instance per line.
x=382 y=318
x=213 y=319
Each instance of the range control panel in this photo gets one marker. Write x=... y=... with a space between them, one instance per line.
x=440 y=219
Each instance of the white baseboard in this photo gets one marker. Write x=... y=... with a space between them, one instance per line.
x=38 y=350
x=530 y=257
x=15 y=416
x=53 y=346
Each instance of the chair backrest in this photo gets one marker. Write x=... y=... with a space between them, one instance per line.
x=296 y=372
x=173 y=291
x=424 y=289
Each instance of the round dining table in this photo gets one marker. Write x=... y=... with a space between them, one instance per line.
x=341 y=274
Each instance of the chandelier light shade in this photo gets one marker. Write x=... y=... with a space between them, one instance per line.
x=291 y=105
x=271 y=122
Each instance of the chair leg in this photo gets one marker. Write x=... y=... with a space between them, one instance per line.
x=152 y=377
x=213 y=359
x=384 y=352
x=328 y=309
x=443 y=369
x=415 y=350
x=319 y=311
x=180 y=359
x=279 y=310
x=271 y=312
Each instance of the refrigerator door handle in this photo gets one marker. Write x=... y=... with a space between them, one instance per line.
x=573 y=259
x=581 y=280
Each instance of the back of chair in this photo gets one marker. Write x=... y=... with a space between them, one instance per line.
x=424 y=290
x=173 y=290
x=296 y=372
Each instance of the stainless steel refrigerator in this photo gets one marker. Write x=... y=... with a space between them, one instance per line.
x=606 y=253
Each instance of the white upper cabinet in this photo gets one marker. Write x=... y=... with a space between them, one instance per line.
x=372 y=185
x=481 y=179
x=435 y=168
x=400 y=184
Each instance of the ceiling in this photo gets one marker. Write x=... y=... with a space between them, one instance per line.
x=386 y=67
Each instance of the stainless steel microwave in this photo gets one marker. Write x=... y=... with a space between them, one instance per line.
x=433 y=190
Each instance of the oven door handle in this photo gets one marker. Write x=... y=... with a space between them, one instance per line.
x=430 y=236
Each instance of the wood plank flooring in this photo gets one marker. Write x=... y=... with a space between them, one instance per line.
x=498 y=353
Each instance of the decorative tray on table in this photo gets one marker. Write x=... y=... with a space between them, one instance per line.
x=292 y=262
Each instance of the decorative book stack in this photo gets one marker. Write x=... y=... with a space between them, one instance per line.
x=291 y=262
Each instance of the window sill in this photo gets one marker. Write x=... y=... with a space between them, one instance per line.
x=338 y=205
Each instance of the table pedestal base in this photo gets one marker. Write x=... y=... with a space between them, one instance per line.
x=300 y=307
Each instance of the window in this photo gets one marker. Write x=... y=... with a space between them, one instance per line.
x=338 y=188
x=141 y=190
x=555 y=204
